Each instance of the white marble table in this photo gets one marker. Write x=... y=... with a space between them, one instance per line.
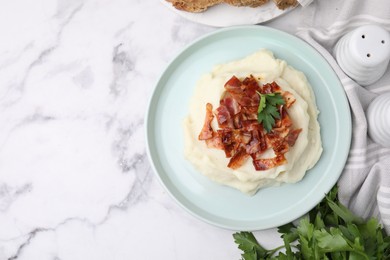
x=75 y=182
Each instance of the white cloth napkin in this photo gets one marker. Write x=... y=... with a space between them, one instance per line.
x=305 y=3
x=364 y=185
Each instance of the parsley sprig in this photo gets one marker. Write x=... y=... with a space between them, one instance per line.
x=330 y=231
x=268 y=109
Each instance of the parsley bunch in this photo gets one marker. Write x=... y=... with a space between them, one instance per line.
x=330 y=231
x=268 y=111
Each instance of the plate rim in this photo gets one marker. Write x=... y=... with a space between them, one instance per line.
x=156 y=89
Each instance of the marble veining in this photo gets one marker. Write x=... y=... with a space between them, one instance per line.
x=75 y=181
x=8 y=194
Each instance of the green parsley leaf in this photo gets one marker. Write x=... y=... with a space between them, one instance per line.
x=268 y=111
x=344 y=213
x=261 y=102
x=275 y=99
x=248 y=244
x=331 y=242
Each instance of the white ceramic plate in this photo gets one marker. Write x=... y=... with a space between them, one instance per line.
x=221 y=205
x=224 y=15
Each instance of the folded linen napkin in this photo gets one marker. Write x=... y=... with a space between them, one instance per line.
x=364 y=185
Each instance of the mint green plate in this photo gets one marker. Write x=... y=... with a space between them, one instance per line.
x=221 y=205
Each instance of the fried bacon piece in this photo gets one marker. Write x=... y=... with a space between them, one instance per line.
x=224 y=117
x=293 y=136
x=240 y=135
x=238 y=159
x=244 y=92
x=207 y=131
x=269 y=163
x=215 y=142
x=270 y=88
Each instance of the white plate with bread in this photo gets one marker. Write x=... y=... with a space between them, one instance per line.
x=223 y=13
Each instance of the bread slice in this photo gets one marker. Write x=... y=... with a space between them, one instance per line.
x=197 y=6
x=194 y=6
x=250 y=3
x=283 y=4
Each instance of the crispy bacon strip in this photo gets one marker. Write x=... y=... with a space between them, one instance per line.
x=230 y=103
x=227 y=142
x=293 y=136
x=215 y=142
x=244 y=92
x=269 y=163
x=238 y=159
x=283 y=124
x=207 y=131
x=224 y=118
x=289 y=98
x=270 y=88
x=258 y=142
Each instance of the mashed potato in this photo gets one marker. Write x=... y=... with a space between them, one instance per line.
x=213 y=163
